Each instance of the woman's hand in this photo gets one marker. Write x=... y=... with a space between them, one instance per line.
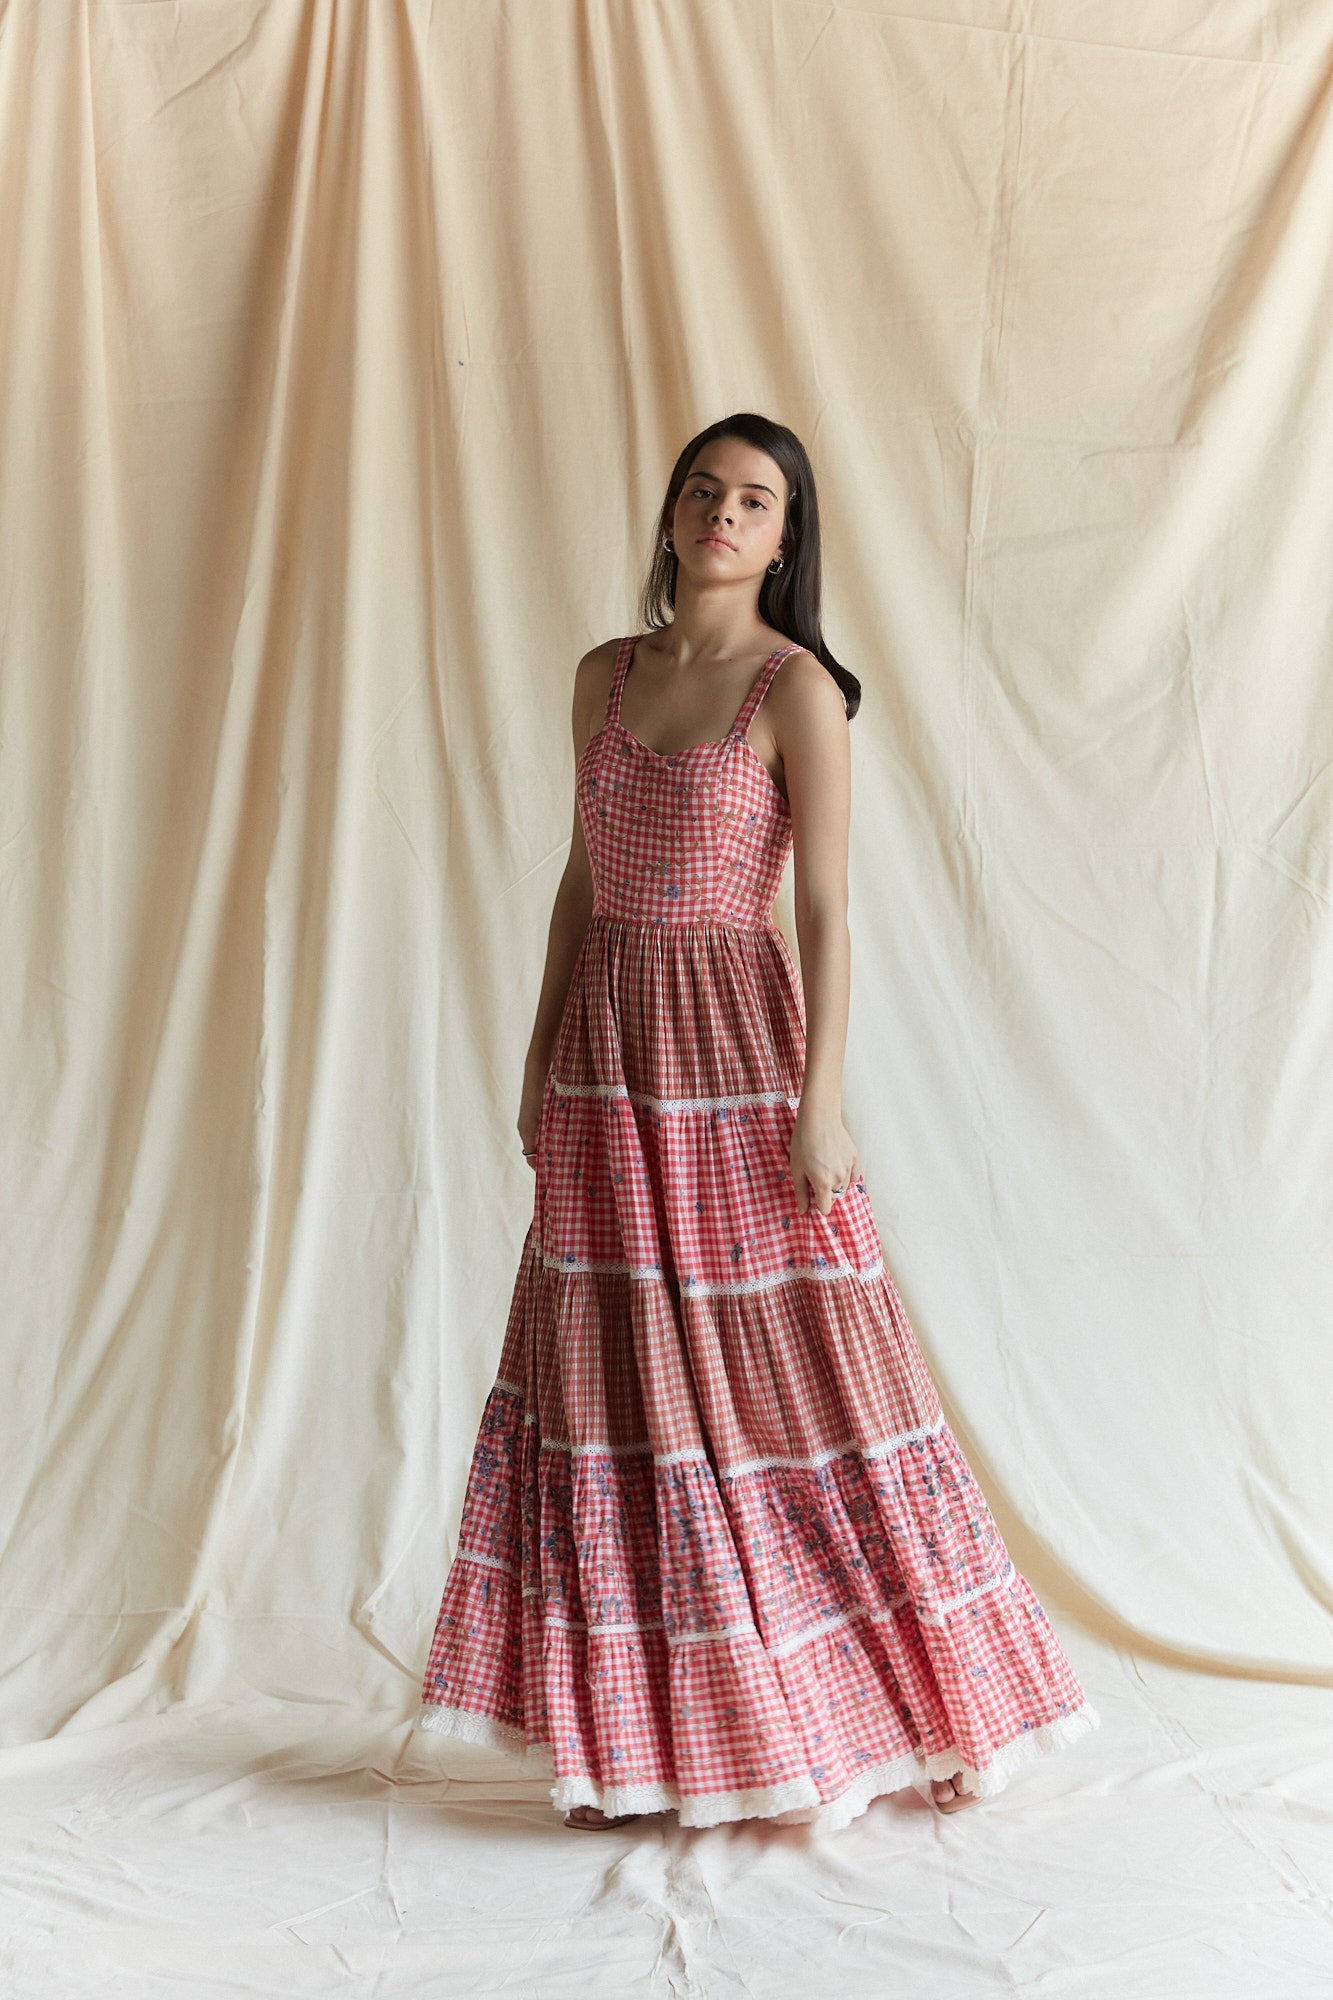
x=823 y=1157
x=529 y=1109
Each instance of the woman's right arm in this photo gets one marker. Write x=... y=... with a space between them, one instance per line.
x=572 y=910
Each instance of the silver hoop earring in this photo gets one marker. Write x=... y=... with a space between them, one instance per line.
x=666 y=544
x=774 y=567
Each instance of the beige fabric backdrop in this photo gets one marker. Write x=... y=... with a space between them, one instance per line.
x=346 y=352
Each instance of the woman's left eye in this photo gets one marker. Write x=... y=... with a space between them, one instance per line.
x=753 y=497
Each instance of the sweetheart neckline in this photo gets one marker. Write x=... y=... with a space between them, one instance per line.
x=674 y=756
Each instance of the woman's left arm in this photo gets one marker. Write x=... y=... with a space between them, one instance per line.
x=814 y=739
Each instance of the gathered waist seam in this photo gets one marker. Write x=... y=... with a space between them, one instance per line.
x=680 y=924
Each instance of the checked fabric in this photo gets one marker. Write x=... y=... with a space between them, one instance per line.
x=720 y=1551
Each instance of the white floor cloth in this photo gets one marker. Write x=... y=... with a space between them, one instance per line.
x=1182 y=1852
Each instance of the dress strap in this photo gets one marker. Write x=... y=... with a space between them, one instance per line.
x=741 y=726
x=623 y=654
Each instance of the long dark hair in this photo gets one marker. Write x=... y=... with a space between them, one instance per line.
x=789 y=600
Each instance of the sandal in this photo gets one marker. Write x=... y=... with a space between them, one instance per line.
x=957 y=1802
x=597 y=1825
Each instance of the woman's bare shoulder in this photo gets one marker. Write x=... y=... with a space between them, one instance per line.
x=804 y=688
x=597 y=667
x=592 y=686
x=599 y=657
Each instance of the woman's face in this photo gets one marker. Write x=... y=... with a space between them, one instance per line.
x=737 y=492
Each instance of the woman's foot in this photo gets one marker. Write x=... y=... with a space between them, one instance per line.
x=949 y=1798
x=594 y=1816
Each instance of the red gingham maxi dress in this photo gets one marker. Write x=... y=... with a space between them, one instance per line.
x=720 y=1551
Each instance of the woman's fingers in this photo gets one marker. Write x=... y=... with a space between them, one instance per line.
x=821 y=1194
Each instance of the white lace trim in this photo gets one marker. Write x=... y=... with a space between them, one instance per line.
x=486 y=1562
x=465 y=1726
x=594 y=1450
x=796 y=1803
x=934 y=1615
x=946 y=1604
x=698 y=1287
x=875 y=1613
x=882 y=1448
x=745 y=1630
x=609 y=1090
x=553 y=1619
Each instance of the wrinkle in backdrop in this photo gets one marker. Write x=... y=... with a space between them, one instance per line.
x=347 y=350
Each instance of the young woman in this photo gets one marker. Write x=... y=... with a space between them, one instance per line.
x=720 y=1552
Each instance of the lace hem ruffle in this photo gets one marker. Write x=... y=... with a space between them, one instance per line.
x=796 y=1803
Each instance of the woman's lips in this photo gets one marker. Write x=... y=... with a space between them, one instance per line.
x=717 y=542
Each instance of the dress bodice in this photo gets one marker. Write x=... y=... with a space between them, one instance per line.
x=701 y=836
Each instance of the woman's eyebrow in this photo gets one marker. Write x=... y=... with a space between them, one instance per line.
x=749 y=482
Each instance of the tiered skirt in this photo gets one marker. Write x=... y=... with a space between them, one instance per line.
x=720 y=1550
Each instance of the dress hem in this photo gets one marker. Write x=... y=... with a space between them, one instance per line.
x=796 y=1803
